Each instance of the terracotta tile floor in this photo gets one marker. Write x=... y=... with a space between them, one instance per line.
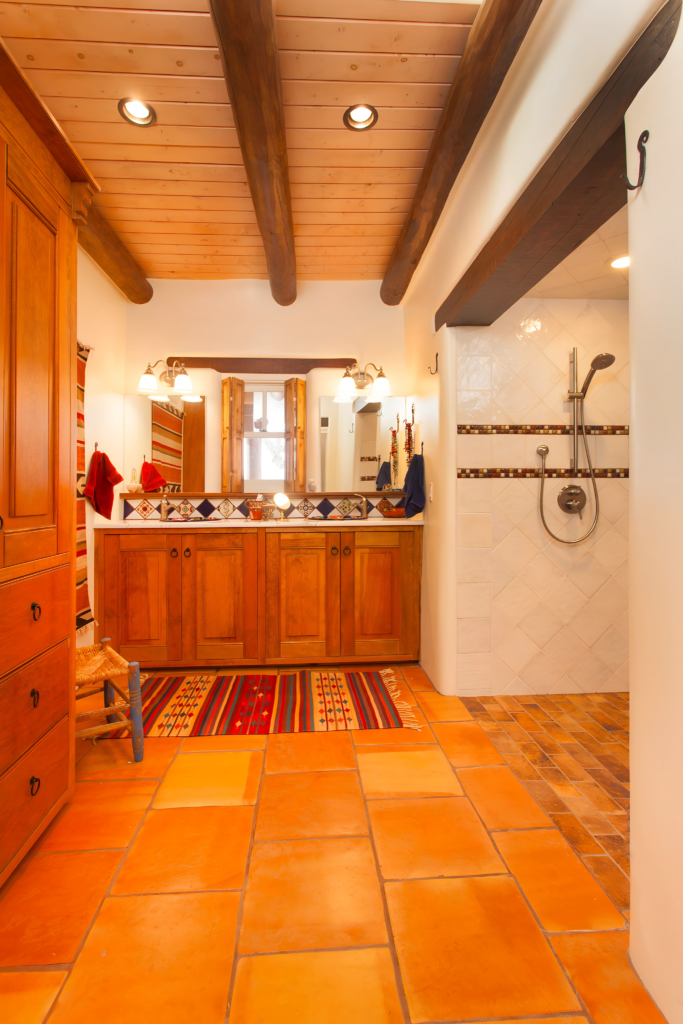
x=476 y=870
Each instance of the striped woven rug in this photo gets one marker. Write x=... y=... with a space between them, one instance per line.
x=241 y=705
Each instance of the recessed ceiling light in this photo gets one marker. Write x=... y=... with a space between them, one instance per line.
x=621 y=262
x=360 y=117
x=137 y=112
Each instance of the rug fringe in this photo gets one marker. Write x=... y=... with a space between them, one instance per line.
x=405 y=711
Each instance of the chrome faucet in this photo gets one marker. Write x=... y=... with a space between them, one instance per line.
x=362 y=505
x=165 y=507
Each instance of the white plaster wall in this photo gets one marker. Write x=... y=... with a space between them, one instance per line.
x=570 y=51
x=101 y=314
x=655 y=231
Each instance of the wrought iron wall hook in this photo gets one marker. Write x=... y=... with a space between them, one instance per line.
x=437 y=366
x=644 y=136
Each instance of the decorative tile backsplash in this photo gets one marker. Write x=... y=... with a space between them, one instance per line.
x=311 y=507
x=536 y=615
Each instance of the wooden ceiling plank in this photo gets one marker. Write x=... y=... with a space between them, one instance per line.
x=321 y=158
x=112 y=86
x=367 y=67
x=342 y=139
x=153 y=135
x=36 y=21
x=591 y=134
x=386 y=10
x=166 y=202
x=247 y=37
x=354 y=175
x=329 y=35
x=138 y=169
x=57 y=54
x=494 y=41
x=218 y=217
x=185 y=114
x=163 y=154
x=344 y=230
x=105 y=248
x=156 y=229
x=150 y=5
x=164 y=187
x=411 y=95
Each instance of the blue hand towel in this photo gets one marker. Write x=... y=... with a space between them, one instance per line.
x=383 y=477
x=414 y=486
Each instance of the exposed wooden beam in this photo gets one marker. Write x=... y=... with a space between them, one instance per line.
x=588 y=135
x=239 y=364
x=251 y=64
x=498 y=31
x=48 y=130
x=595 y=195
x=106 y=249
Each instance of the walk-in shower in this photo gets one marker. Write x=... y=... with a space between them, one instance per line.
x=572 y=498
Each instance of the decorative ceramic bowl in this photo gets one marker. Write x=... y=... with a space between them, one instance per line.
x=394 y=513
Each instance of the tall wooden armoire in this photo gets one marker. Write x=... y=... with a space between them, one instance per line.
x=38 y=237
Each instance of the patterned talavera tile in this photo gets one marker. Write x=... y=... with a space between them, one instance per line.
x=383 y=504
x=305 y=507
x=205 y=508
x=345 y=507
x=185 y=509
x=145 y=509
x=226 y=508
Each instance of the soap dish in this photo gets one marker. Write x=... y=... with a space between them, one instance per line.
x=394 y=513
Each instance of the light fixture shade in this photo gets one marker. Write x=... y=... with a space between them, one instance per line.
x=182 y=384
x=381 y=388
x=191 y=398
x=148 y=381
x=159 y=398
x=281 y=500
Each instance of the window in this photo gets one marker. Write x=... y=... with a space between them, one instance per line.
x=264 y=437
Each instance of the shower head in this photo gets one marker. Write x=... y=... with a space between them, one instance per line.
x=601 y=362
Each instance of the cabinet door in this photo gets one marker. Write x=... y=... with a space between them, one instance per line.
x=379 y=593
x=142 y=602
x=302 y=595
x=220 y=607
x=36 y=368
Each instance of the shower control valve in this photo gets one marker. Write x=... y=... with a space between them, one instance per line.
x=572 y=499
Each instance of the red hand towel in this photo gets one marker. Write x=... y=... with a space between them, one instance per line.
x=102 y=477
x=150 y=478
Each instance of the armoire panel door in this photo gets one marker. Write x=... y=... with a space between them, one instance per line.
x=220 y=608
x=371 y=592
x=302 y=595
x=147 y=581
x=32 y=370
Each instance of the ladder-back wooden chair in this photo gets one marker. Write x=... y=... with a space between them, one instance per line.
x=97 y=666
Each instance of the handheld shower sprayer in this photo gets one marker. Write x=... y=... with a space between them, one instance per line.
x=577 y=500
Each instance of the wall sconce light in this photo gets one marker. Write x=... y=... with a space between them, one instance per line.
x=174 y=376
x=357 y=382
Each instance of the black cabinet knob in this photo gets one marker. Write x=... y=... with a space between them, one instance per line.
x=34 y=783
x=37 y=610
x=335 y=551
x=35 y=694
x=174 y=552
x=187 y=552
x=347 y=551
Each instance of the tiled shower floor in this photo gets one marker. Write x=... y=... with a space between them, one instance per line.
x=390 y=876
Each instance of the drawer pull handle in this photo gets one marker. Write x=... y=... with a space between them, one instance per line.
x=335 y=551
x=347 y=550
x=35 y=694
x=174 y=552
x=187 y=552
x=37 y=610
x=34 y=782
x=2 y=522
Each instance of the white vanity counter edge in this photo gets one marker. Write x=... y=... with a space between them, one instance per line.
x=241 y=524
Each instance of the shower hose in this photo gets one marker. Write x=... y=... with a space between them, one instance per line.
x=543 y=455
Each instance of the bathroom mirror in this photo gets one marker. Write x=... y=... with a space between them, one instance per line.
x=353 y=437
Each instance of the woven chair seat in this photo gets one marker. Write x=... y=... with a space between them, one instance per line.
x=94 y=664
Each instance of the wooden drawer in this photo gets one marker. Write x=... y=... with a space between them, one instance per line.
x=47 y=760
x=21 y=724
x=23 y=636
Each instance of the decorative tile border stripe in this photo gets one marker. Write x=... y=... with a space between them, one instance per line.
x=537 y=428
x=308 y=507
x=535 y=474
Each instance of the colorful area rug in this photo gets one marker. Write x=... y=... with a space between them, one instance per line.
x=241 y=705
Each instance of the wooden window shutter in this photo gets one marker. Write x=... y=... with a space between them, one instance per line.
x=295 y=434
x=232 y=436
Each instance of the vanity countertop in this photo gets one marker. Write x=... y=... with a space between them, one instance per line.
x=241 y=524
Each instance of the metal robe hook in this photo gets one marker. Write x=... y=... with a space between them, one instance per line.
x=422 y=448
x=641 y=172
x=96 y=445
x=437 y=366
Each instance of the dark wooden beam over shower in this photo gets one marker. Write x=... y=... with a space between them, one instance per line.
x=247 y=364
x=105 y=247
x=247 y=40
x=580 y=178
x=498 y=32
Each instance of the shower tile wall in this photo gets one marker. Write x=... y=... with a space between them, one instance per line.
x=534 y=615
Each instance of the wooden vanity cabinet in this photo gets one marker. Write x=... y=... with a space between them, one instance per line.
x=260 y=595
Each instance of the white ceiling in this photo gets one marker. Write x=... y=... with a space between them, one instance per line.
x=586 y=273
